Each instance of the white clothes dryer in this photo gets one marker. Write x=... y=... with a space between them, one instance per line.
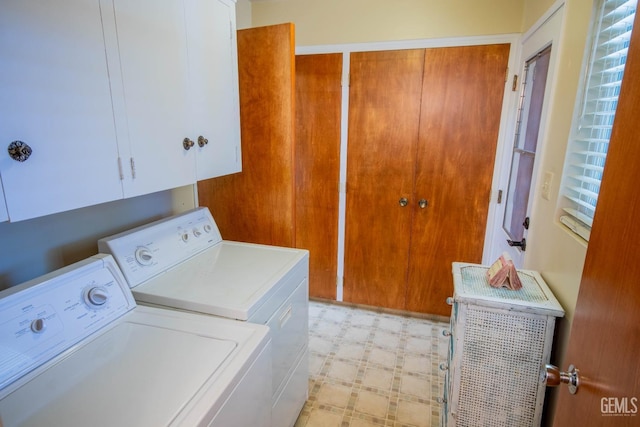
x=76 y=350
x=182 y=262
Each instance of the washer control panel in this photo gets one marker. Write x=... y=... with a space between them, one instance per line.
x=144 y=252
x=43 y=317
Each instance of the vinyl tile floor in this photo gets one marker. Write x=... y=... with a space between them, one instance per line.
x=370 y=368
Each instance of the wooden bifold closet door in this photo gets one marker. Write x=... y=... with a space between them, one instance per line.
x=423 y=129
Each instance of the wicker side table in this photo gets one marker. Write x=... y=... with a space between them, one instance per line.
x=499 y=342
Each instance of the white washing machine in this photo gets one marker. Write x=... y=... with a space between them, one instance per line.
x=76 y=350
x=182 y=262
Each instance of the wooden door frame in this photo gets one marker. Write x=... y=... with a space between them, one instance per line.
x=509 y=103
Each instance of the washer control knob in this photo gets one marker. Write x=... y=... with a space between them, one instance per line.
x=38 y=325
x=96 y=296
x=185 y=237
x=144 y=256
x=197 y=232
x=207 y=228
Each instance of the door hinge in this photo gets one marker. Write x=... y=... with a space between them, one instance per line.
x=514 y=84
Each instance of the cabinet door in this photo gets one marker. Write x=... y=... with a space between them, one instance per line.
x=147 y=51
x=460 y=117
x=214 y=111
x=384 y=112
x=54 y=96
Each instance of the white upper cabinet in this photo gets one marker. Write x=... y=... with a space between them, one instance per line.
x=99 y=96
x=55 y=102
x=214 y=111
x=147 y=53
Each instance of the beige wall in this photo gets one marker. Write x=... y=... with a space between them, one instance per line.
x=326 y=22
x=551 y=249
x=243 y=14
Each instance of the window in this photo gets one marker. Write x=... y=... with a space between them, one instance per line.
x=596 y=106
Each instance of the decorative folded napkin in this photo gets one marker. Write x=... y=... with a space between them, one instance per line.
x=503 y=274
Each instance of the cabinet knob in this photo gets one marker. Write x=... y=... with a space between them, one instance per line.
x=403 y=202
x=450 y=300
x=423 y=203
x=202 y=141
x=19 y=151
x=187 y=143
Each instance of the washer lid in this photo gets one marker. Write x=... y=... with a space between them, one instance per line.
x=134 y=374
x=230 y=279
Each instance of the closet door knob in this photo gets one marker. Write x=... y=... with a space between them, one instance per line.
x=187 y=143
x=403 y=202
x=19 y=151
x=202 y=141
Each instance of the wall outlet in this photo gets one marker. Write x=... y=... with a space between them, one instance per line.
x=546 y=185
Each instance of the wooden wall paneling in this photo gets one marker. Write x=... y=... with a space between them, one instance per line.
x=460 y=117
x=257 y=205
x=317 y=166
x=384 y=110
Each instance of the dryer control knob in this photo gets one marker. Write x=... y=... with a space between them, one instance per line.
x=144 y=256
x=96 y=297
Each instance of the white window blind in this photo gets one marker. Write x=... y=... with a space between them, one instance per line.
x=587 y=153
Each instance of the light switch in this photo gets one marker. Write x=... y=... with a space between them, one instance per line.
x=546 y=185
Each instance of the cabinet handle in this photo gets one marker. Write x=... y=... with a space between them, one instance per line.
x=423 y=203
x=403 y=202
x=187 y=143
x=202 y=141
x=19 y=151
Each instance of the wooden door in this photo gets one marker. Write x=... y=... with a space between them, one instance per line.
x=384 y=112
x=462 y=94
x=605 y=336
x=317 y=166
x=257 y=205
